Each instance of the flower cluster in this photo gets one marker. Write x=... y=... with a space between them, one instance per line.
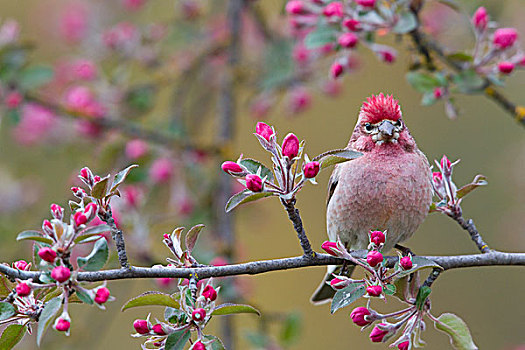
x=449 y=196
x=286 y=177
x=497 y=50
x=381 y=281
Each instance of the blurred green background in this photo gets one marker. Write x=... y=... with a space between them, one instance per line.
x=488 y=141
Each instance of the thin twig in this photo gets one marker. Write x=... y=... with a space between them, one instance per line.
x=432 y=277
x=472 y=230
x=293 y=214
x=118 y=238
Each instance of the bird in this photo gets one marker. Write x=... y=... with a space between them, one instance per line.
x=388 y=188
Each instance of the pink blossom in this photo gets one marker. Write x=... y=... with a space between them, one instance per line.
x=164 y=282
x=378 y=334
x=480 y=18
x=406 y=262
x=333 y=9
x=299 y=100
x=254 y=183
x=136 y=149
x=102 y=295
x=84 y=69
x=295 y=7
x=505 y=67
x=330 y=248
x=198 y=315
x=374 y=258
x=374 y=291
x=300 y=54
x=348 y=40
x=366 y=3
x=264 y=130
x=336 y=70
x=141 y=326
x=504 y=38
x=13 y=99
x=290 y=147
x=62 y=325
x=377 y=237
x=22 y=289
x=358 y=316
x=9 y=32
x=161 y=170
x=331 y=87
x=311 y=169
x=74 y=22
x=60 y=274
x=133 y=5
x=35 y=123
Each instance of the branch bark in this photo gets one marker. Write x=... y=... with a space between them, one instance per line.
x=494 y=258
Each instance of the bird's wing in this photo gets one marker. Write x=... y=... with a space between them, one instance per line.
x=332 y=183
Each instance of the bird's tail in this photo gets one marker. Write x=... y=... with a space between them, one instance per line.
x=324 y=293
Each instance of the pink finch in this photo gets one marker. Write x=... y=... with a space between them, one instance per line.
x=388 y=188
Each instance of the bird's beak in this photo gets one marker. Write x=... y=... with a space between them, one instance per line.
x=387 y=129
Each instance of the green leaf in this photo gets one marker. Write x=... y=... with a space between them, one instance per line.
x=74 y=205
x=244 y=197
x=84 y=297
x=121 y=176
x=291 y=329
x=100 y=188
x=468 y=81
x=428 y=99
x=460 y=57
x=92 y=234
x=422 y=295
x=479 y=180
x=228 y=309
x=390 y=289
x=152 y=298
x=50 y=310
x=347 y=296
x=258 y=340
x=33 y=236
x=140 y=99
x=407 y=22
x=6 y=310
x=34 y=77
x=12 y=336
x=457 y=330
x=323 y=34
x=192 y=235
x=422 y=82
x=253 y=166
x=177 y=340
x=173 y=315
x=336 y=156
x=213 y=343
x=97 y=258
x=5 y=286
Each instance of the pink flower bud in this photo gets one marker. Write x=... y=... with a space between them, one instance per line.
x=22 y=289
x=352 y=24
x=96 y=178
x=348 y=40
x=13 y=99
x=311 y=169
x=219 y=261
x=378 y=334
x=374 y=258
x=86 y=174
x=57 y=211
x=406 y=262
x=290 y=147
x=79 y=218
x=47 y=254
x=336 y=70
x=264 y=130
x=231 y=167
x=387 y=56
x=141 y=326
x=198 y=315
x=136 y=149
x=158 y=329
x=333 y=9
x=21 y=265
x=374 y=291
x=377 y=237
x=438 y=93
x=161 y=170
x=406 y=344
x=295 y=7
x=102 y=295
x=300 y=100
x=505 y=67
x=480 y=19
x=164 y=282
x=366 y=3
x=358 y=316
x=199 y=346
x=209 y=293
x=338 y=283
x=253 y=183
x=445 y=163
x=62 y=325
x=91 y=210
x=78 y=192
x=47 y=228
x=330 y=248
x=167 y=236
x=60 y=274
x=504 y=38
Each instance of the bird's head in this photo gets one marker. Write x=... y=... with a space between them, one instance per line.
x=380 y=124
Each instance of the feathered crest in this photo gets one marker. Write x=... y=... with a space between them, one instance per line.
x=380 y=107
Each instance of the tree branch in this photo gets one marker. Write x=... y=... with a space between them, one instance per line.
x=118 y=238
x=472 y=230
x=494 y=258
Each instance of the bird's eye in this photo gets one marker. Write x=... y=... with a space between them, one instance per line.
x=397 y=123
x=368 y=127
